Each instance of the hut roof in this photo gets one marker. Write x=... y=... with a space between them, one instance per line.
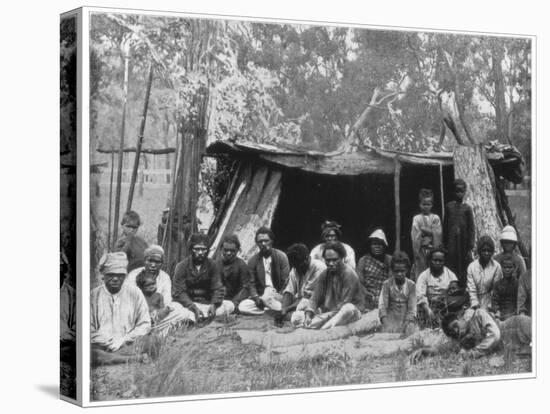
x=364 y=160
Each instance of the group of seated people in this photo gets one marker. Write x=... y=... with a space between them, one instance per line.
x=320 y=289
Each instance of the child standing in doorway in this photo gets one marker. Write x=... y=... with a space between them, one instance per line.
x=426 y=231
x=459 y=232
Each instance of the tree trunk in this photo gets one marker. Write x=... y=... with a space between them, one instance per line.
x=501 y=117
x=470 y=164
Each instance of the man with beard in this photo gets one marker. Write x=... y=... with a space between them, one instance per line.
x=269 y=270
x=235 y=275
x=301 y=281
x=198 y=283
x=431 y=289
x=397 y=303
x=118 y=316
x=336 y=299
x=154 y=259
x=373 y=268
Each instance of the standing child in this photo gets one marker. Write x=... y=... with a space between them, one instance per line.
x=459 y=233
x=148 y=286
x=426 y=231
x=129 y=243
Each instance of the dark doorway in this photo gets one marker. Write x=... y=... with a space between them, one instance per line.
x=356 y=202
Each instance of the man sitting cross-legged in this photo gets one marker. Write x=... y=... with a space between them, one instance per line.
x=337 y=299
x=198 y=283
x=397 y=302
x=301 y=281
x=154 y=259
x=118 y=316
x=268 y=275
x=235 y=275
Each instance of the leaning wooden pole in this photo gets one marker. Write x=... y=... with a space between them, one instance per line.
x=442 y=192
x=396 y=187
x=121 y=148
x=109 y=244
x=140 y=139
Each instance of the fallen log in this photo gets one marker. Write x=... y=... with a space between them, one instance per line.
x=368 y=323
x=377 y=345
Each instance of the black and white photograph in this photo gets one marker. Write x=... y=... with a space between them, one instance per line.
x=281 y=205
x=68 y=204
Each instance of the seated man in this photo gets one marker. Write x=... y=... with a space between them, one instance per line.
x=505 y=291
x=154 y=259
x=235 y=275
x=130 y=243
x=301 y=280
x=268 y=275
x=479 y=334
x=432 y=287
x=198 y=283
x=337 y=299
x=397 y=302
x=118 y=315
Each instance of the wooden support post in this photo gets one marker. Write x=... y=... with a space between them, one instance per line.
x=441 y=189
x=396 y=187
x=121 y=149
x=140 y=139
x=109 y=244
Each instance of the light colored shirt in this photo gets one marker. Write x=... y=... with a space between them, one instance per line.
x=267 y=269
x=67 y=313
x=481 y=325
x=480 y=282
x=397 y=302
x=317 y=253
x=430 y=223
x=164 y=283
x=303 y=286
x=122 y=315
x=430 y=287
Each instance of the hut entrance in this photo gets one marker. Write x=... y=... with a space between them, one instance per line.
x=356 y=202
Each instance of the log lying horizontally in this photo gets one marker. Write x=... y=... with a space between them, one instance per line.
x=377 y=345
x=368 y=322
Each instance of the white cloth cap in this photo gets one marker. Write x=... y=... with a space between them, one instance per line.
x=509 y=233
x=379 y=234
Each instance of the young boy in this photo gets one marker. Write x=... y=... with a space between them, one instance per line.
x=397 y=302
x=505 y=292
x=508 y=242
x=459 y=233
x=426 y=231
x=148 y=286
x=129 y=243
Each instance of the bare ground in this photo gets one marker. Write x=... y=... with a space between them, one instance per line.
x=213 y=359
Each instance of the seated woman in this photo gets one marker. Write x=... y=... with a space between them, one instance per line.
x=482 y=274
x=331 y=232
x=431 y=289
x=374 y=267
